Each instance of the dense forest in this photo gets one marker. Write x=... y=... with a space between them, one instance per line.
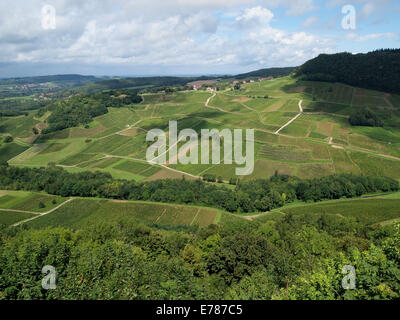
x=253 y=196
x=378 y=70
x=81 y=109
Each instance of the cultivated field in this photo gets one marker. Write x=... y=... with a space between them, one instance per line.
x=17 y=206
x=85 y=211
x=370 y=211
x=318 y=142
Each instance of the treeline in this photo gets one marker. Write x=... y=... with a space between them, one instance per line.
x=118 y=98
x=81 y=109
x=378 y=70
x=252 y=196
x=365 y=117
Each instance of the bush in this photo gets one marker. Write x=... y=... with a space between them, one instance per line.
x=8 y=139
x=365 y=117
x=210 y=178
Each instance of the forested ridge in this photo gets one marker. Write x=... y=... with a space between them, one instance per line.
x=81 y=109
x=378 y=70
x=137 y=82
x=269 y=72
x=253 y=196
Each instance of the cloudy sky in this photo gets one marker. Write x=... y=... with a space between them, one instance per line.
x=184 y=37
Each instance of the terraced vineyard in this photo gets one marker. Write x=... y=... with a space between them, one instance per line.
x=368 y=211
x=17 y=206
x=319 y=142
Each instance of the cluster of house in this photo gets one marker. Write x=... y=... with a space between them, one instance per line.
x=34 y=85
x=197 y=87
x=251 y=81
x=44 y=96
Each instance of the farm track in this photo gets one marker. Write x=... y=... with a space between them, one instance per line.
x=37 y=214
x=292 y=120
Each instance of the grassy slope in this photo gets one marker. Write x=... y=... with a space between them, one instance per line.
x=303 y=148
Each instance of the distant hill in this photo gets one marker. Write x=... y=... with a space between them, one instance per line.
x=378 y=70
x=27 y=93
x=139 y=83
x=64 y=80
x=270 y=72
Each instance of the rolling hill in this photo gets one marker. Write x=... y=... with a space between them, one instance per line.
x=320 y=141
x=317 y=199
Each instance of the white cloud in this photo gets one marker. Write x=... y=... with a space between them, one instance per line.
x=310 y=21
x=255 y=17
x=148 y=32
x=367 y=10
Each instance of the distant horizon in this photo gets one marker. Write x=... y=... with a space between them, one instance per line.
x=13 y=67
x=184 y=38
x=135 y=75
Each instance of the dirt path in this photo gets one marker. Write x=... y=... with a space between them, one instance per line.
x=385 y=97
x=250 y=218
x=181 y=153
x=158 y=219
x=290 y=121
x=210 y=98
x=21 y=211
x=194 y=219
x=119 y=132
x=216 y=108
x=39 y=214
x=388 y=156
